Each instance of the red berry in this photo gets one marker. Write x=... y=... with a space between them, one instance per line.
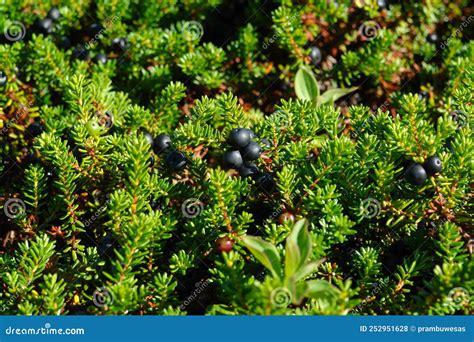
x=224 y=244
x=286 y=216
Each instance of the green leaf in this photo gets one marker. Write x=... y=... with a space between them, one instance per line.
x=264 y=252
x=306 y=86
x=298 y=248
x=320 y=289
x=332 y=95
x=307 y=269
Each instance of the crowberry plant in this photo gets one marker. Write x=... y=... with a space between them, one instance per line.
x=297 y=157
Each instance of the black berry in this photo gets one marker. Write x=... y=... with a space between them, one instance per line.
x=233 y=159
x=80 y=53
x=316 y=55
x=432 y=38
x=35 y=129
x=416 y=174
x=382 y=4
x=64 y=43
x=3 y=78
x=240 y=137
x=54 y=14
x=100 y=58
x=176 y=160
x=252 y=151
x=119 y=45
x=224 y=244
x=161 y=143
x=265 y=182
x=95 y=29
x=433 y=165
x=156 y=204
x=106 y=246
x=45 y=26
x=248 y=170
x=266 y=143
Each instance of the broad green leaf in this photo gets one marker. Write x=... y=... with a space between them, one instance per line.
x=297 y=291
x=298 y=248
x=264 y=252
x=306 y=86
x=320 y=289
x=332 y=95
x=307 y=269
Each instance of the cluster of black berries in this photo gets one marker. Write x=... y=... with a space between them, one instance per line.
x=416 y=174
x=174 y=159
x=46 y=25
x=244 y=151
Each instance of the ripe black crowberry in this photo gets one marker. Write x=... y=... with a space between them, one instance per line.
x=64 y=43
x=233 y=159
x=416 y=174
x=119 y=45
x=100 y=58
x=156 y=204
x=54 y=13
x=432 y=38
x=3 y=78
x=248 y=170
x=35 y=129
x=240 y=137
x=95 y=29
x=80 y=53
x=251 y=152
x=224 y=244
x=265 y=182
x=45 y=26
x=316 y=55
x=176 y=160
x=433 y=165
x=161 y=143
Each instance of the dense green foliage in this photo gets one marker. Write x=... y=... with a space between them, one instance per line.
x=91 y=225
